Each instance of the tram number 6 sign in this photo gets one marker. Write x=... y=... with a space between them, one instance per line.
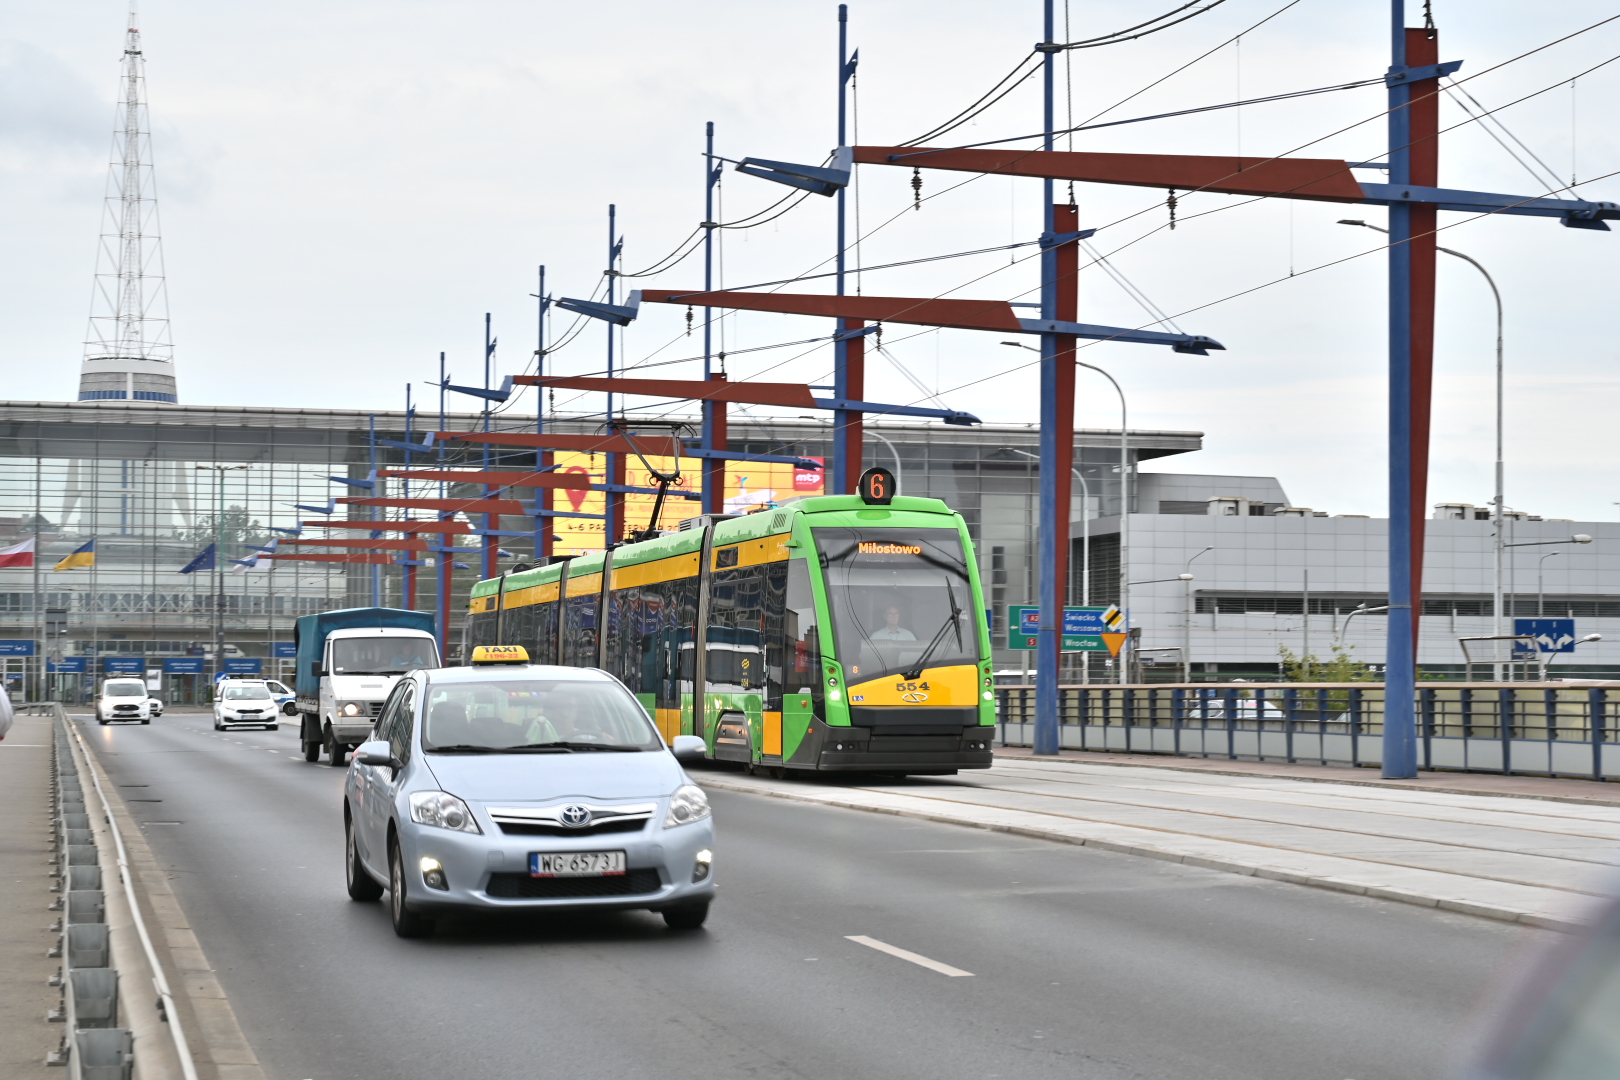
x=877 y=486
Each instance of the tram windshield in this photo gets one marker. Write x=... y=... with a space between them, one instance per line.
x=899 y=600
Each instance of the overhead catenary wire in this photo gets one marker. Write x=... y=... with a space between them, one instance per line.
x=1126 y=35
x=1245 y=202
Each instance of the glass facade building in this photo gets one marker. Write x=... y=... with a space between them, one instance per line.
x=155 y=485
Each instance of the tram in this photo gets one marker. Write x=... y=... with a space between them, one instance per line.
x=839 y=632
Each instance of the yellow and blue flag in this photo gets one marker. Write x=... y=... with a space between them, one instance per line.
x=83 y=558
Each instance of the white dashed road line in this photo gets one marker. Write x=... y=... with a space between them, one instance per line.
x=920 y=961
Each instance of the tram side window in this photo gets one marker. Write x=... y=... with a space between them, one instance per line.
x=481 y=630
x=544 y=634
x=518 y=628
x=801 y=634
x=579 y=633
x=736 y=657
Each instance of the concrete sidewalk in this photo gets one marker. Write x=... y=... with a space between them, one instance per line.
x=1509 y=855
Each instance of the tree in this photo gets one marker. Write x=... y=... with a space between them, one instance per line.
x=1342 y=668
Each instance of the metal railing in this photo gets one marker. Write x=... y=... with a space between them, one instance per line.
x=1547 y=729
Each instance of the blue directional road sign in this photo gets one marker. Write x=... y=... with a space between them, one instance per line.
x=16 y=647
x=1552 y=635
x=1081 y=627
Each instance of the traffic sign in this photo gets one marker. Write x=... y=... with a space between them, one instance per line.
x=1082 y=628
x=1552 y=635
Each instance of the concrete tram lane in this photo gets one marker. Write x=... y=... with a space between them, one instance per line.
x=1067 y=961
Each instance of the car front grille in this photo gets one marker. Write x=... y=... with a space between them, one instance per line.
x=248 y=712
x=524 y=887
x=526 y=828
x=124 y=708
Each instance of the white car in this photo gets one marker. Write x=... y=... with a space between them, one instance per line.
x=245 y=702
x=124 y=699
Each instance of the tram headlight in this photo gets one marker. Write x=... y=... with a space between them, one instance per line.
x=687 y=805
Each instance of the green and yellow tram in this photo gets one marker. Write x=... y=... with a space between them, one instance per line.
x=838 y=633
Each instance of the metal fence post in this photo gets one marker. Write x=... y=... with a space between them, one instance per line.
x=1596 y=707
x=1231 y=724
x=1426 y=703
x=1290 y=714
x=1178 y=708
x=1504 y=727
x=1355 y=728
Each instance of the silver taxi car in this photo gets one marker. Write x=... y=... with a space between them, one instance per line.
x=524 y=787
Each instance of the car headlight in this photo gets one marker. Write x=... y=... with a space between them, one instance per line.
x=351 y=709
x=442 y=810
x=687 y=805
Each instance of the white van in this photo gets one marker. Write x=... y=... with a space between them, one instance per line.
x=124 y=698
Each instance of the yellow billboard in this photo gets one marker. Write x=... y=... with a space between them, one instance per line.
x=748 y=484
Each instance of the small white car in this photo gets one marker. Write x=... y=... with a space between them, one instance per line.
x=124 y=699
x=155 y=705
x=245 y=702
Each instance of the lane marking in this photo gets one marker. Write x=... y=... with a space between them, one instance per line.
x=920 y=961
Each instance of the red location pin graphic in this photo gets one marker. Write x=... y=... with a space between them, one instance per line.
x=576 y=496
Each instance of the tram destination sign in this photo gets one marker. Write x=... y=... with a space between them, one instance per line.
x=1083 y=628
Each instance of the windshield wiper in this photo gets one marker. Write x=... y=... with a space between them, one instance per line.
x=952 y=622
x=567 y=746
x=461 y=748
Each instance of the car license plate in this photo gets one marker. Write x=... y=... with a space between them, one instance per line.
x=576 y=864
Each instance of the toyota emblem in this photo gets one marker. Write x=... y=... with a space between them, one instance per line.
x=575 y=817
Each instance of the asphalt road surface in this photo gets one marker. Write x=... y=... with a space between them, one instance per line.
x=1083 y=963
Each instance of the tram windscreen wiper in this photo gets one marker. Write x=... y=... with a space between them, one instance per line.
x=952 y=622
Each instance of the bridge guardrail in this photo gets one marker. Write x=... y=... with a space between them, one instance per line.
x=1548 y=729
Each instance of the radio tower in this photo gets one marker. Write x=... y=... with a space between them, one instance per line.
x=128 y=355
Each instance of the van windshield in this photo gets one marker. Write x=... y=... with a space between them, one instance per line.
x=534 y=715
x=125 y=689
x=382 y=655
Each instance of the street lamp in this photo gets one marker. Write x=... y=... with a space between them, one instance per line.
x=1186 y=626
x=1578 y=538
x=1541 y=584
x=1124 y=489
x=1498 y=509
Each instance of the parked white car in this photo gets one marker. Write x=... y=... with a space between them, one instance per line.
x=124 y=698
x=245 y=702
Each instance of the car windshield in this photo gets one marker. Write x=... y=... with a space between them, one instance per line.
x=899 y=599
x=249 y=692
x=534 y=714
x=381 y=655
x=126 y=689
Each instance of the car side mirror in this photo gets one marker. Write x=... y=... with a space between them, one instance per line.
x=375 y=752
x=689 y=747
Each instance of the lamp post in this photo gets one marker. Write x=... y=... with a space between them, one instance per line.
x=1497 y=507
x=219 y=575
x=1186 y=626
x=1124 y=492
x=1578 y=538
x=1541 y=584
x=1085 y=546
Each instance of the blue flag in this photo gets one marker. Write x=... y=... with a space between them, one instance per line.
x=203 y=561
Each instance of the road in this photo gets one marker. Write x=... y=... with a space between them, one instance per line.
x=1084 y=963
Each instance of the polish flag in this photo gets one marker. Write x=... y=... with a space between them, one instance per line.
x=18 y=556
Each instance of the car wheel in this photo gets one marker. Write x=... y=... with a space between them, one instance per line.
x=362 y=886
x=407 y=923
x=272 y=727
x=146 y=719
x=312 y=751
x=337 y=753
x=687 y=916
x=101 y=721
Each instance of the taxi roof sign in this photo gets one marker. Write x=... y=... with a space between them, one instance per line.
x=499 y=654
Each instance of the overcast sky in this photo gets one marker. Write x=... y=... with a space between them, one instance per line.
x=347 y=188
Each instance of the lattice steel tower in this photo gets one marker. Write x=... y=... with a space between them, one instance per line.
x=128 y=354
